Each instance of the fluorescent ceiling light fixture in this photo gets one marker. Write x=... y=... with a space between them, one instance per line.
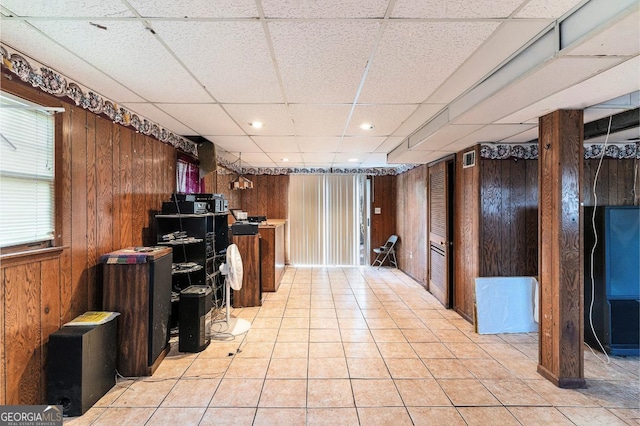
x=366 y=126
x=256 y=124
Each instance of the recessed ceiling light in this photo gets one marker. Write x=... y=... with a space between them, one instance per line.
x=285 y=160
x=366 y=126
x=353 y=160
x=256 y=124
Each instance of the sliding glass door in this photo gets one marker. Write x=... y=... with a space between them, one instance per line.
x=325 y=219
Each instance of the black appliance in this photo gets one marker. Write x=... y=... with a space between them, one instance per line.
x=244 y=228
x=81 y=366
x=195 y=318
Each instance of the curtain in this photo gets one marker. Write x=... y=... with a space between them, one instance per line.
x=324 y=219
x=187 y=177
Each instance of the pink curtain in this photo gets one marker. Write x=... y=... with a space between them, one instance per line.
x=188 y=177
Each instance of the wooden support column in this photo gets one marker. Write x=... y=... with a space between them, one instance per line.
x=561 y=359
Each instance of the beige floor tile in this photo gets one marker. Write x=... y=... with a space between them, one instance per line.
x=466 y=392
x=173 y=368
x=291 y=350
x=591 y=416
x=324 y=323
x=287 y=368
x=329 y=393
x=448 y=336
x=375 y=393
x=248 y=368
x=349 y=313
x=124 y=416
x=256 y=350
x=440 y=324
x=388 y=335
x=332 y=416
x=447 y=368
x=283 y=393
x=614 y=393
x=361 y=350
x=87 y=419
x=191 y=393
x=561 y=397
x=374 y=323
x=482 y=416
x=356 y=335
x=295 y=322
x=535 y=416
x=208 y=368
x=502 y=351
x=114 y=393
x=177 y=416
x=237 y=393
x=513 y=392
x=228 y=416
x=487 y=369
x=423 y=335
x=321 y=303
x=280 y=416
x=218 y=349
x=429 y=416
x=367 y=368
x=422 y=393
x=293 y=335
x=266 y=322
x=145 y=393
x=326 y=350
x=407 y=368
x=297 y=313
x=432 y=350
x=410 y=323
x=396 y=350
x=323 y=312
x=630 y=415
x=352 y=323
x=261 y=335
x=384 y=416
x=328 y=368
x=324 y=335
x=466 y=350
x=524 y=369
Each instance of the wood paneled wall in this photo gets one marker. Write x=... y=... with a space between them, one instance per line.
x=383 y=196
x=411 y=223
x=269 y=196
x=615 y=186
x=110 y=180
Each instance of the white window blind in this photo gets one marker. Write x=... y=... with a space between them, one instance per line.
x=26 y=172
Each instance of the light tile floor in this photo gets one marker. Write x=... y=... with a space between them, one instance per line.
x=361 y=346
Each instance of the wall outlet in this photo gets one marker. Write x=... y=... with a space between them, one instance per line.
x=377 y=210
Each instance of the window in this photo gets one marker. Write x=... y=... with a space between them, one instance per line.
x=26 y=172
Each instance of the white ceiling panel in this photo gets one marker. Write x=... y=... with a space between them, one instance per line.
x=420 y=115
x=417 y=157
x=276 y=143
x=125 y=46
x=77 y=8
x=377 y=159
x=523 y=137
x=197 y=8
x=410 y=48
x=601 y=87
x=27 y=40
x=237 y=66
x=279 y=158
x=545 y=81
x=275 y=119
x=389 y=143
x=317 y=144
x=153 y=113
x=445 y=136
x=318 y=157
x=455 y=8
x=206 y=119
x=235 y=144
x=621 y=39
x=491 y=133
x=322 y=62
x=324 y=9
x=384 y=118
x=503 y=43
x=256 y=159
x=360 y=144
x=546 y=9
x=319 y=120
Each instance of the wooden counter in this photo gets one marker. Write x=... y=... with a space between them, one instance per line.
x=250 y=294
x=272 y=252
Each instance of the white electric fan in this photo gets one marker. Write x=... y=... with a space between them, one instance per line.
x=232 y=269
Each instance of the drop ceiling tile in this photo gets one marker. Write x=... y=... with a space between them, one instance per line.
x=123 y=47
x=231 y=59
x=276 y=143
x=256 y=159
x=345 y=157
x=235 y=144
x=445 y=136
x=623 y=38
x=377 y=159
x=292 y=157
x=455 y=8
x=48 y=8
x=546 y=9
x=385 y=119
x=420 y=116
x=197 y=8
x=491 y=133
x=319 y=120
x=317 y=144
x=322 y=61
x=153 y=113
x=275 y=119
x=523 y=137
x=360 y=144
x=416 y=157
x=32 y=43
x=324 y=9
x=601 y=87
x=408 y=48
x=318 y=157
x=206 y=119
x=389 y=144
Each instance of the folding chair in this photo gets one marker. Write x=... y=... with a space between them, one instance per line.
x=386 y=251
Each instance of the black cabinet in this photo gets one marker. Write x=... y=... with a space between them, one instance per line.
x=199 y=243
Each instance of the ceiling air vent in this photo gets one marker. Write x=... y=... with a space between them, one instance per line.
x=468 y=159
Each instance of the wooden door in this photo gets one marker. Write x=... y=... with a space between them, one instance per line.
x=440 y=232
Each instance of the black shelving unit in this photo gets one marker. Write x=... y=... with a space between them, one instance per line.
x=199 y=243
